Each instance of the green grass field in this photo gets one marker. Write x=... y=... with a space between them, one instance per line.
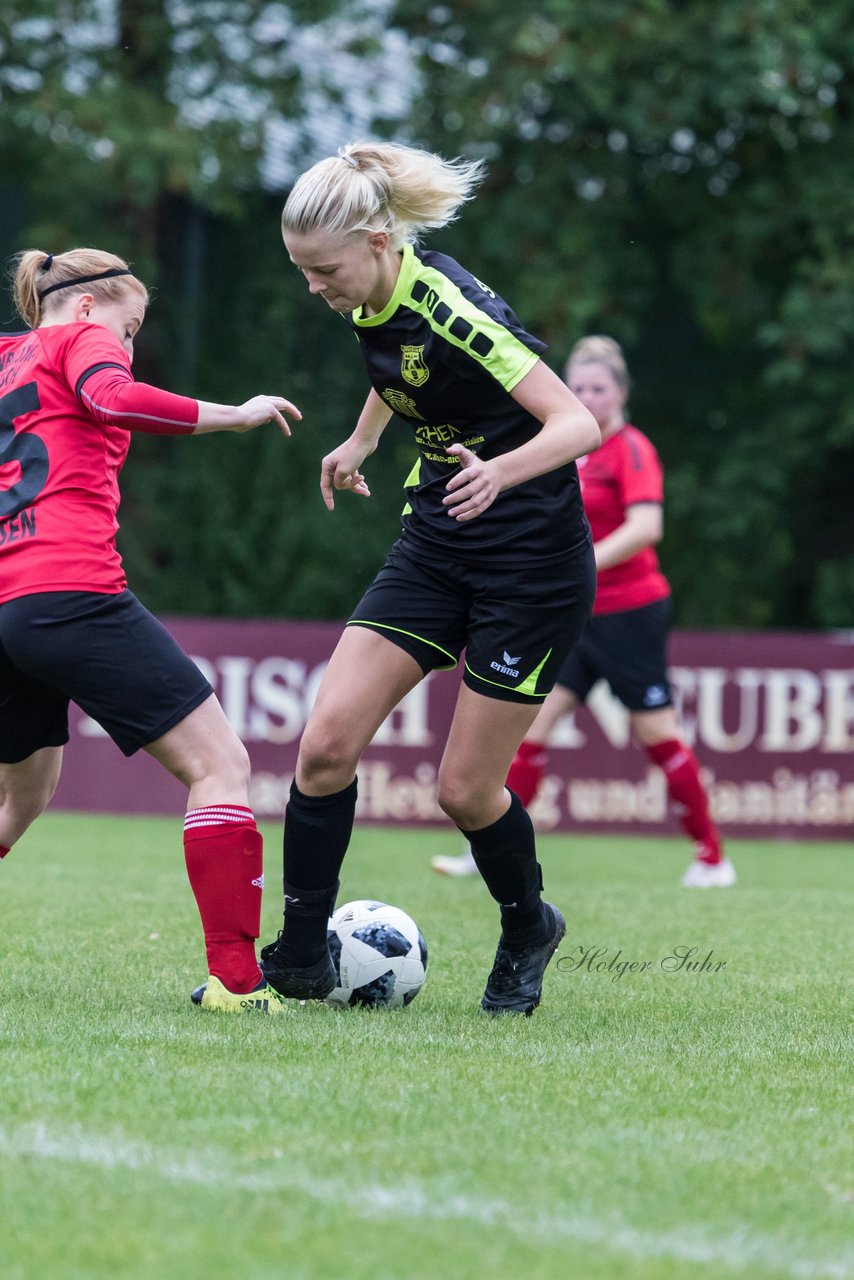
x=655 y=1125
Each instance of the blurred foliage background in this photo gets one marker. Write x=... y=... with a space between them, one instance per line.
x=673 y=173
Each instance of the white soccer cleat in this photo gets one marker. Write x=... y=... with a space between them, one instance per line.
x=709 y=875
x=461 y=865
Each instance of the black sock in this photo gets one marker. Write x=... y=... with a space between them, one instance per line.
x=506 y=857
x=317 y=833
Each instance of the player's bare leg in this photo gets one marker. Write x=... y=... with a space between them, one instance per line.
x=484 y=735
x=525 y=772
x=26 y=789
x=366 y=678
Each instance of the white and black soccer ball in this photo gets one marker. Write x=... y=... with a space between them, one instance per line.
x=379 y=954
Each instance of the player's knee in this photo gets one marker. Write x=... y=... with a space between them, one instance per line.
x=20 y=809
x=325 y=755
x=237 y=763
x=228 y=767
x=462 y=802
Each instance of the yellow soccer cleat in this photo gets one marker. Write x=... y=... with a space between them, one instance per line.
x=214 y=996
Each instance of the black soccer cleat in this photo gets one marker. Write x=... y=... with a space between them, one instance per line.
x=313 y=982
x=515 y=984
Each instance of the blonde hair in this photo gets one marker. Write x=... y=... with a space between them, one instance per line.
x=598 y=349
x=35 y=273
x=380 y=186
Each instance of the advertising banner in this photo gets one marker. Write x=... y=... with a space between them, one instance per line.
x=769 y=714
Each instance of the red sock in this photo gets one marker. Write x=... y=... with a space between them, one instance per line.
x=526 y=771
x=688 y=797
x=4 y=849
x=224 y=855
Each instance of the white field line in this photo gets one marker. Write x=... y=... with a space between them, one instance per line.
x=739 y=1250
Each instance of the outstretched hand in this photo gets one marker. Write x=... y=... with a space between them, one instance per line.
x=473 y=487
x=261 y=409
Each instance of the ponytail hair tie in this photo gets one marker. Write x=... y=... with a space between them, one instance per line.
x=354 y=164
x=48 y=262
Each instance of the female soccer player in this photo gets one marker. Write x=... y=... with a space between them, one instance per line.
x=625 y=642
x=494 y=556
x=69 y=629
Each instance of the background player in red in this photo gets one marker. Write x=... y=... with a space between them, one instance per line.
x=625 y=641
x=69 y=628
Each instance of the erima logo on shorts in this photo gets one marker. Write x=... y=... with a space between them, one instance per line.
x=509 y=668
x=655 y=695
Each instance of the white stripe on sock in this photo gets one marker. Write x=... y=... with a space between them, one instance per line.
x=216 y=815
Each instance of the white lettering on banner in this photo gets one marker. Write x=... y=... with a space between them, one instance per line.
x=266 y=701
x=699 y=700
x=839 y=714
x=385 y=795
x=780 y=709
x=726 y=711
x=793 y=721
x=233 y=691
x=812 y=800
x=610 y=715
x=617 y=799
x=816 y=799
x=270 y=700
x=281 y=696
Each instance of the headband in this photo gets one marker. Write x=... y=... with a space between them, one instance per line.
x=101 y=275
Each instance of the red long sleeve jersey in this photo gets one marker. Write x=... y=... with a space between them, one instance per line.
x=68 y=403
x=623 y=471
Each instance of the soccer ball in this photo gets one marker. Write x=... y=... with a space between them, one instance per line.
x=379 y=954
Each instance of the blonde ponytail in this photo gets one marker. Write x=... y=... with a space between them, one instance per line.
x=380 y=186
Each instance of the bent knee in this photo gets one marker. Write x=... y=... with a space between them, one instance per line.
x=326 y=756
x=236 y=765
x=463 y=804
x=225 y=766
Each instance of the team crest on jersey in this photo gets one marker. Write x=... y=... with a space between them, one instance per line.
x=412 y=366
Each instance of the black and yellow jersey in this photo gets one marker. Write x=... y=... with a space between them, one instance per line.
x=445 y=353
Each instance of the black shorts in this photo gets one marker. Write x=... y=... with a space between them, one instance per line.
x=629 y=650
x=106 y=653
x=516 y=622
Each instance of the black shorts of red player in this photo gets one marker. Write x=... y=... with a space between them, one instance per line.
x=107 y=653
x=629 y=650
x=516 y=622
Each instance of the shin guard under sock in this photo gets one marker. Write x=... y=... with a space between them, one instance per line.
x=506 y=858
x=224 y=855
